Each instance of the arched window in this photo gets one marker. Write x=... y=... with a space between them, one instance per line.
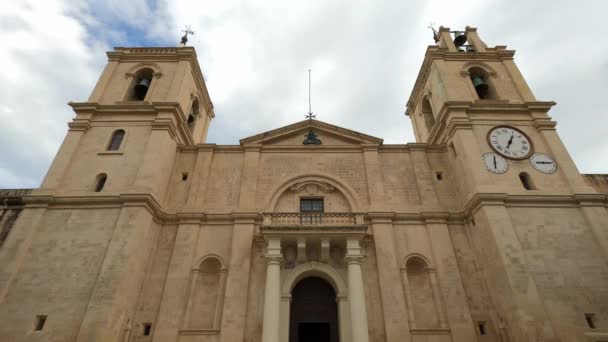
x=100 y=181
x=427 y=112
x=193 y=114
x=526 y=181
x=482 y=84
x=140 y=85
x=116 y=140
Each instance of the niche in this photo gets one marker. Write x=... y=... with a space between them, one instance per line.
x=206 y=295
x=422 y=298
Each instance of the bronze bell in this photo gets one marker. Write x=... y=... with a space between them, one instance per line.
x=459 y=38
x=480 y=86
x=141 y=88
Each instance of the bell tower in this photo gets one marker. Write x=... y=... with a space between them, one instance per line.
x=464 y=90
x=124 y=139
x=521 y=193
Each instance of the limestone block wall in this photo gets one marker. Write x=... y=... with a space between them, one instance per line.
x=55 y=255
x=10 y=208
x=598 y=182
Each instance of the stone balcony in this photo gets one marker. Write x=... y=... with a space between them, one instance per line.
x=296 y=219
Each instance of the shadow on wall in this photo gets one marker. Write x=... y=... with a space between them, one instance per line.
x=10 y=206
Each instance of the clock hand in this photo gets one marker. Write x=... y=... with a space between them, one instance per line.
x=510 y=141
x=543 y=162
x=496 y=167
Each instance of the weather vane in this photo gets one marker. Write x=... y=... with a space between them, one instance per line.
x=187 y=32
x=435 y=34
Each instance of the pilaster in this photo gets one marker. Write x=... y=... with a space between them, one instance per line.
x=373 y=173
x=237 y=282
x=448 y=289
x=175 y=295
x=393 y=303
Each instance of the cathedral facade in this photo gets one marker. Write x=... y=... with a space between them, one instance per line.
x=482 y=230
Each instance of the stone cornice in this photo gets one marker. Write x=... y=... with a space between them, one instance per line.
x=389 y=148
x=174 y=123
x=443 y=130
x=194 y=216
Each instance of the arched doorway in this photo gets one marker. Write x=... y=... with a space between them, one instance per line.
x=314 y=312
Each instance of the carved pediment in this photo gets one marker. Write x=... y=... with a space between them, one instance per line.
x=323 y=134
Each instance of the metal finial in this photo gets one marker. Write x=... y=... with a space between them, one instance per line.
x=435 y=34
x=187 y=32
x=309 y=116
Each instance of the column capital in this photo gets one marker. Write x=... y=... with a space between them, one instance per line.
x=273 y=259
x=354 y=259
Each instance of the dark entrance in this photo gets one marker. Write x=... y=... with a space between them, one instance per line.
x=313 y=312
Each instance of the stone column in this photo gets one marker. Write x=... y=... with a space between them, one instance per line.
x=356 y=294
x=272 y=295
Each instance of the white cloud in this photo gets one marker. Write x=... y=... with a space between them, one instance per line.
x=47 y=60
x=365 y=57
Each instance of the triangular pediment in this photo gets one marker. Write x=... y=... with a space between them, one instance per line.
x=295 y=134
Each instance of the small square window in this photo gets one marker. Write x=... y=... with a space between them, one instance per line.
x=185 y=176
x=40 y=321
x=147 y=329
x=439 y=175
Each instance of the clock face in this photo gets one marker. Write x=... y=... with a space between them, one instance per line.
x=510 y=142
x=543 y=163
x=495 y=163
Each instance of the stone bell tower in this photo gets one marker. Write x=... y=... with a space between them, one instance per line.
x=93 y=224
x=508 y=160
x=146 y=103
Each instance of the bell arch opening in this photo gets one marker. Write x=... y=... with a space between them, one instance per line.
x=313 y=314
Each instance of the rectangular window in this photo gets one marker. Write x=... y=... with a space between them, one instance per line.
x=590 y=320
x=147 y=329
x=312 y=210
x=314 y=205
x=40 y=320
x=482 y=328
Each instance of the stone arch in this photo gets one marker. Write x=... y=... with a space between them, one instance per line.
x=314 y=269
x=210 y=256
x=327 y=273
x=134 y=69
x=464 y=71
x=422 y=258
x=326 y=180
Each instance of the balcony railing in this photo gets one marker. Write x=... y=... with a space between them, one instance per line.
x=312 y=219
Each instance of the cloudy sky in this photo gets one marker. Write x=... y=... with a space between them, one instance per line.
x=365 y=57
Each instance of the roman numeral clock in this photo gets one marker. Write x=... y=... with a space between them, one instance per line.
x=511 y=143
